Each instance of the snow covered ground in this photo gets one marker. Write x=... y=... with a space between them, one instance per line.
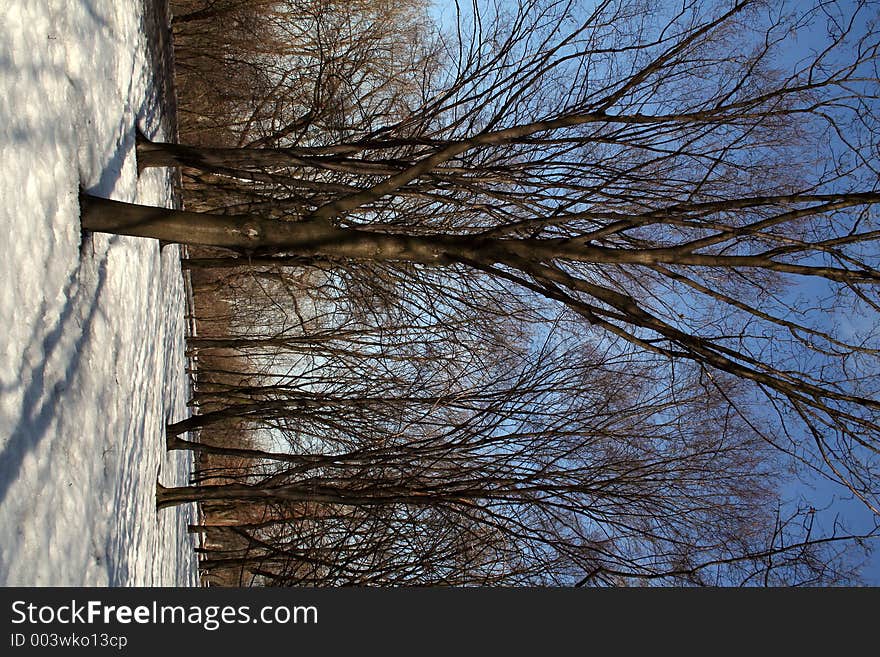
x=91 y=331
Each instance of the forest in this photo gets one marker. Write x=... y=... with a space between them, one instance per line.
x=533 y=292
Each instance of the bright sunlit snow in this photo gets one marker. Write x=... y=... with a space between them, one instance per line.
x=91 y=332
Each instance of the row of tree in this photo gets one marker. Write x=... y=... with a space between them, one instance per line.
x=586 y=278
x=385 y=452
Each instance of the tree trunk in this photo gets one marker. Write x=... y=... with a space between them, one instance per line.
x=162 y=154
x=212 y=11
x=173 y=443
x=311 y=237
x=196 y=422
x=234 y=232
x=171 y=496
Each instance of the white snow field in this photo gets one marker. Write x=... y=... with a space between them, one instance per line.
x=91 y=331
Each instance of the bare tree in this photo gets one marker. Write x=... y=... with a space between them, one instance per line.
x=667 y=176
x=566 y=466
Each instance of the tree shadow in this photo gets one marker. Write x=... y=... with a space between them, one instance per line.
x=39 y=409
x=97 y=19
x=111 y=172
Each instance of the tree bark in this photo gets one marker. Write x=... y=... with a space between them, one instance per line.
x=175 y=443
x=233 y=232
x=171 y=496
x=311 y=237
